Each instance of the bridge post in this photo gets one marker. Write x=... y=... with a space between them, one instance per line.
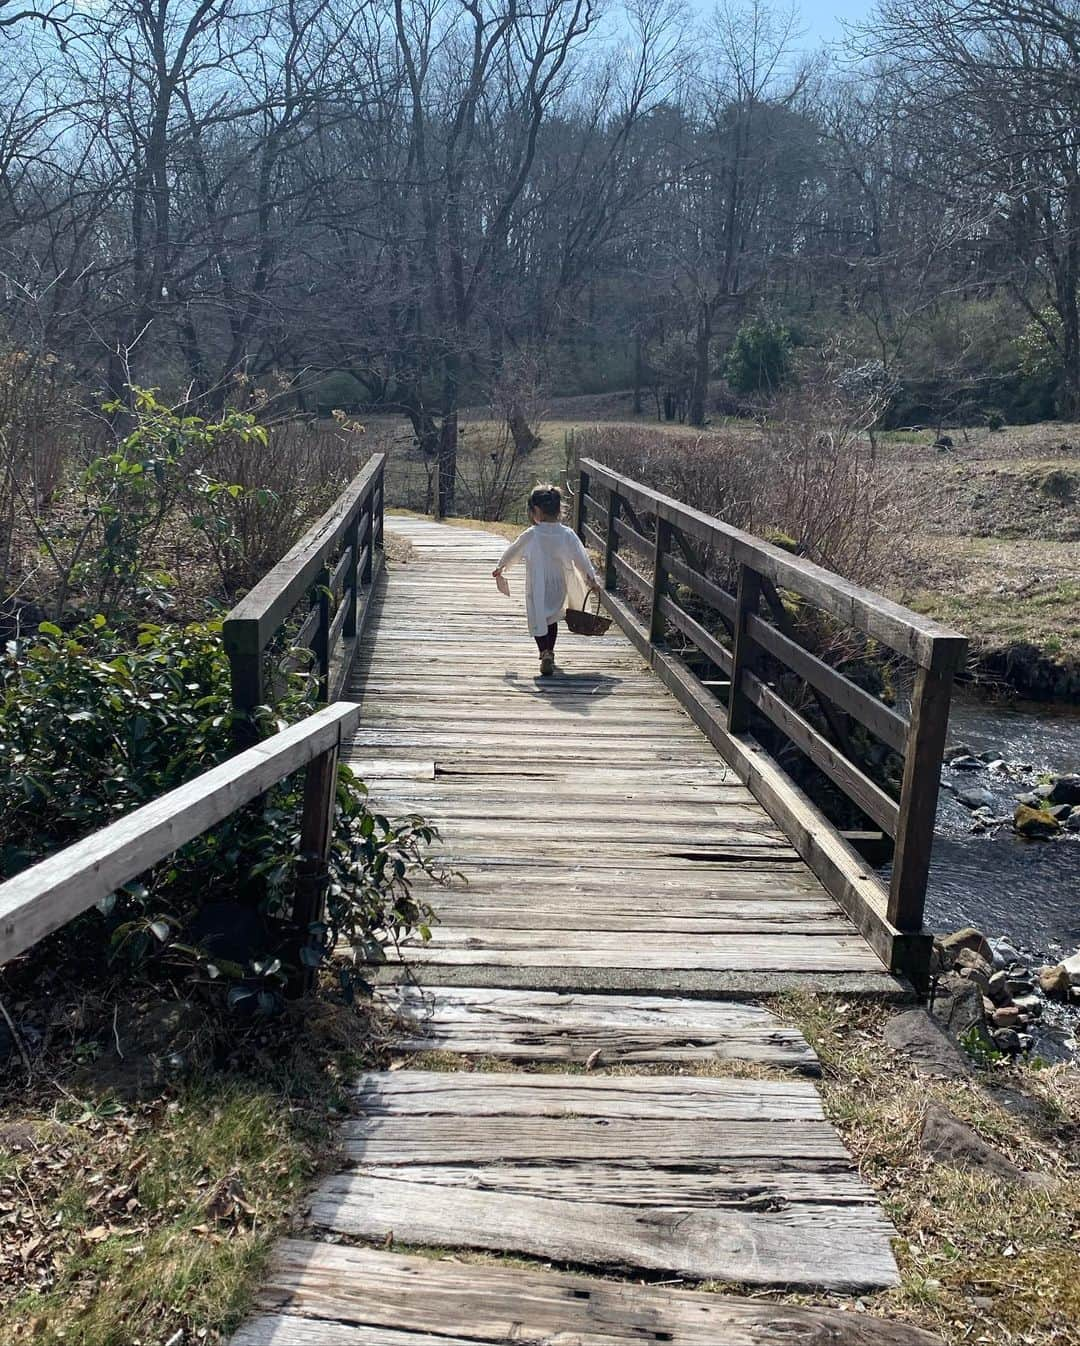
x=662 y=545
x=746 y=605
x=352 y=581
x=611 y=542
x=321 y=646
x=580 y=508
x=316 y=830
x=241 y=639
x=919 y=790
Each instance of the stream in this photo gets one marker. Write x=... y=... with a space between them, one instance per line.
x=997 y=881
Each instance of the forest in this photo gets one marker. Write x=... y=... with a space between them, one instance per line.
x=422 y=206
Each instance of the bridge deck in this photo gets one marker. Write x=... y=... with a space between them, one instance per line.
x=605 y=844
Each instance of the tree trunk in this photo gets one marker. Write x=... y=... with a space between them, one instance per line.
x=447 y=476
x=525 y=438
x=700 y=387
x=637 y=373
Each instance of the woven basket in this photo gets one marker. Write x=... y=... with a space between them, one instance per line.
x=583 y=623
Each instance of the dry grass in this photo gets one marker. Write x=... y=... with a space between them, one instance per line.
x=981 y=1260
x=135 y=1221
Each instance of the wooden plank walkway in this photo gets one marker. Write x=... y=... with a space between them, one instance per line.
x=605 y=843
x=734 y=1179
x=607 y=849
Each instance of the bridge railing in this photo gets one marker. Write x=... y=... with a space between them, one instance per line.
x=332 y=569
x=749 y=626
x=49 y=894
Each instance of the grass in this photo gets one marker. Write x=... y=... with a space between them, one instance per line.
x=132 y=1222
x=1002 y=592
x=980 y=1259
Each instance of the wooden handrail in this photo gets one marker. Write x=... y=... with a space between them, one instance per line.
x=892 y=917
x=333 y=567
x=52 y=892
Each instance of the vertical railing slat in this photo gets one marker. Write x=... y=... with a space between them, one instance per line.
x=611 y=542
x=316 y=828
x=918 y=795
x=661 y=546
x=321 y=647
x=746 y=602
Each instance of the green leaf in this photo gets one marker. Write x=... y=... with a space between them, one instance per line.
x=50 y=629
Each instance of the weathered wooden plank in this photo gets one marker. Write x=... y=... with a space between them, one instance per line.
x=432 y=1093
x=50 y=893
x=742 y=918
x=828 y=1247
x=741 y=1186
x=754 y=952
x=408 y=1301
x=606 y=1030
x=653 y=1141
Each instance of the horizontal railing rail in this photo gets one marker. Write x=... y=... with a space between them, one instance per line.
x=333 y=569
x=49 y=894
x=653 y=546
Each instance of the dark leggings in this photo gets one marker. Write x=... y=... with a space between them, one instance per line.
x=546 y=644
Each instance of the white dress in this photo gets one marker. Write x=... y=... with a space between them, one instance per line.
x=557 y=571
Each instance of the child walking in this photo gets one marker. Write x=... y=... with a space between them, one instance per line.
x=558 y=572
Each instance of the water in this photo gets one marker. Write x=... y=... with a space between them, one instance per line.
x=1003 y=885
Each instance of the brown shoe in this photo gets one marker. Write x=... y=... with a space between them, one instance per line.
x=547 y=664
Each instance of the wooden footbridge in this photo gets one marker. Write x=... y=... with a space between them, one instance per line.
x=637 y=871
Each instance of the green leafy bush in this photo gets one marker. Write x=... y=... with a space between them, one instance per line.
x=91 y=728
x=760 y=359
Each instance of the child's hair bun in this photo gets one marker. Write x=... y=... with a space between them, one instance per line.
x=547 y=499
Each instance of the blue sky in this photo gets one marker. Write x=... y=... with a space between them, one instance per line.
x=822 y=18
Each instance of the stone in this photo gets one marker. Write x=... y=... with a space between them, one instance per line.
x=948 y=1140
x=1043 y=791
x=951 y=750
x=997 y=766
x=1005 y=952
x=1065 y=790
x=1005 y=1016
x=1060 y=811
x=1054 y=982
x=1031 y=1005
x=1052 y=1046
x=1072 y=822
x=968 y=958
x=967 y=938
x=930 y=1049
x=1019 y=986
x=998 y=989
x=1072 y=967
x=965 y=762
x=976 y=976
x=957 y=1006
x=1006 y=1040
x=976 y=798
x=1033 y=823
x=1031 y=801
